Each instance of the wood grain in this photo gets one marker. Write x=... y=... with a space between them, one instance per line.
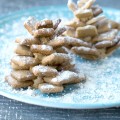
x=14 y=110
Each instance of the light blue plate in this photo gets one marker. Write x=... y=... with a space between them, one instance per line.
x=102 y=88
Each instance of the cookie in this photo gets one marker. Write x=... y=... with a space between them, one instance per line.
x=41 y=70
x=57 y=42
x=110 y=35
x=55 y=59
x=37 y=81
x=90 y=53
x=65 y=66
x=65 y=77
x=43 y=32
x=83 y=13
x=16 y=84
x=71 y=5
x=62 y=50
x=56 y=23
x=44 y=40
x=86 y=31
x=80 y=3
x=74 y=23
x=68 y=41
x=88 y=39
x=101 y=23
x=17 y=67
x=38 y=57
x=104 y=29
x=22 y=75
x=27 y=40
x=42 y=49
x=70 y=32
x=76 y=42
x=88 y=4
x=59 y=31
x=111 y=49
x=48 y=88
x=24 y=61
x=95 y=19
x=90 y=57
x=29 y=24
x=85 y=50
x=104 y=44
x=44 y=24
x=96 y=9
x=23 y=50
x=113 y=24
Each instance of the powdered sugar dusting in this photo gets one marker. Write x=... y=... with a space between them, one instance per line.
x=46 y=47
x=47 y=86
x=43 y=69
x=103 y=77
x=65 y=76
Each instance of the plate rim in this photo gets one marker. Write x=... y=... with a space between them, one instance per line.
x=60 y=105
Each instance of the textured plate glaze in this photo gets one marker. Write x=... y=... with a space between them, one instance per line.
x=102 y=88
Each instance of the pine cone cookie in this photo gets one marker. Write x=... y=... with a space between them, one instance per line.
x=38 y=62
x=92 y=28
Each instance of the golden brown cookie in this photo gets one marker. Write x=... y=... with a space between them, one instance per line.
x=83 y=13
x=68 y=41
x=85 y=50
x=104 y=28
x=71 y=5
x=41 y=70
x=29 y=24
x=16 y=84
x=106 y=43
x=22 y=75
x=110 y=35
x=101 y=23
x=74 y=23
x=65 y=66
x=65 y=77
x=87 y=4
x=55 y=59
x=56 y=23
x=44 y=24
x=59 y=31
x=80 y=3
x=86 y=31
x=24 y=61
x=88 y=39
x=48 y=88
x=113 y=24
x=111 y=49
x=89 y=53
x=96 y=9
x=23 y=50
x=42 y=49
x=38 y=57
x=37 y=81
x=44 y=40
x=70 y=32
x=27 y=40
x=95 y=19
x=44 y=32
x=62 y=50
x=17 y=67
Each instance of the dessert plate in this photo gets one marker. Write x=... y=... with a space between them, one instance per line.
x=102 y=88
